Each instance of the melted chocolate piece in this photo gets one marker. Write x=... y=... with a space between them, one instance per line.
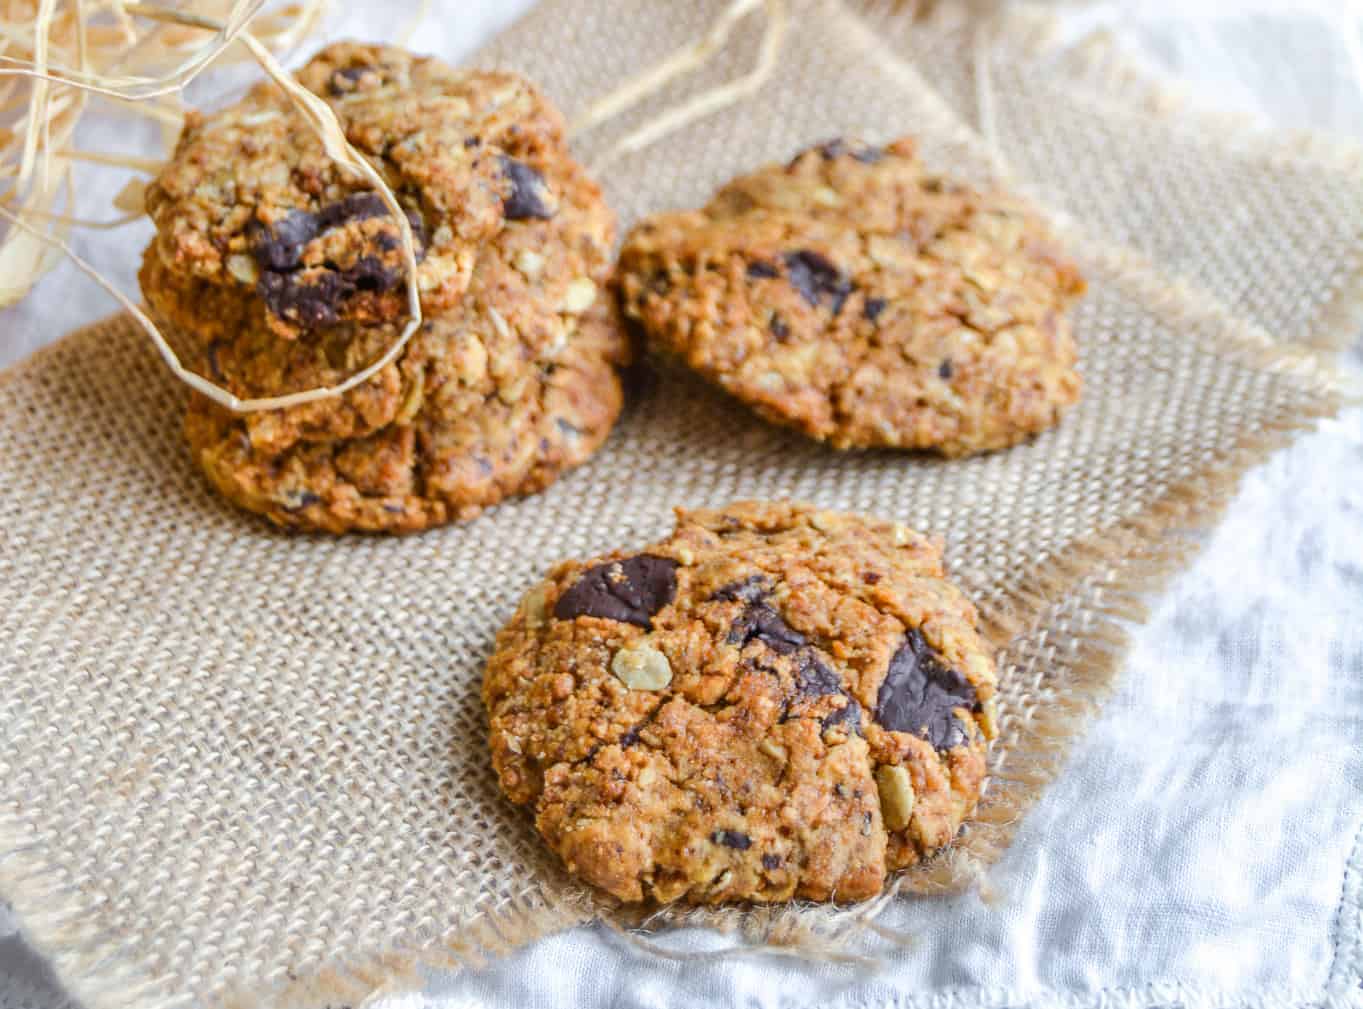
x=313 y=300
x=771 y=861
x=759 y=622
x=280 y=247
x=631 y=590
x=343 y=80
x=813 y=678
x=945 y=371
x=873 y=307
x=779 y=329
x=757 y=268
x=920 y=695
x=529 y=192
x=312 y=304
x=816 y=278
x=732 y=839
x=355 y=207
x=848 y=718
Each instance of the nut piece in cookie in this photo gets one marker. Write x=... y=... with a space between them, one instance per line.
x=773 y=703
x=858 y=298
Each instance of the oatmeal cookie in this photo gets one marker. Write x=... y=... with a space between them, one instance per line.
x=864 y=301
x=256 y=227
x=774 y=702
x=466 y=433
x=530 y=283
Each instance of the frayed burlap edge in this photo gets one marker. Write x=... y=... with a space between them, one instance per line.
x=1104 y=579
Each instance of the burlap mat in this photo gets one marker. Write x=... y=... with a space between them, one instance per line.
x=242 y=766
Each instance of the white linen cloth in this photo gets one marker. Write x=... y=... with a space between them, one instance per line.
x=1203 y=846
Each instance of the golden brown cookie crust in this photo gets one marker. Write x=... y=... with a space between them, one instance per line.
x=774 y=702
x=855 y=297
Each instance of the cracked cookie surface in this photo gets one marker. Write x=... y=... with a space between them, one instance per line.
x=856 y=297
x=258 y=227
x=773 y=703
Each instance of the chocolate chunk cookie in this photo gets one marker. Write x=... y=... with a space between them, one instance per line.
x=258 y=228
x=858 y=298
x=496 y=393
x=463 y=437
x=530 y=281
x=489 y=401
x=775 y=702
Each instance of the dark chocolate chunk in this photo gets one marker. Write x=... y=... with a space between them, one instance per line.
x=752 y=589
x=758 y=268
x=816 y=278
x=369 y=274
x=847 y=718
x=873 y=307
x=813 y=678
x=631 y=590
x=311 y=304
x=343 y=80
x=945 y=371
x=355 y=207
x=732 y=839
x=759 y=622
x=314 y=299
x=920 y=695
x=529 y=195
x=472 y=141
x=779 y=329
x=280 y=247
x=771 y=861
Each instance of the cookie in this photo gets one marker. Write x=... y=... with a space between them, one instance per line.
x=256 y=227
x=773 y=703
x=529 y=284
x=479 y=418
x=856 y=297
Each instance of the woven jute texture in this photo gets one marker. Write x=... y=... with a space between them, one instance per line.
x=242 y=767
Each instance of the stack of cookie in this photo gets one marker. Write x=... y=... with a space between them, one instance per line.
x=278 y=271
